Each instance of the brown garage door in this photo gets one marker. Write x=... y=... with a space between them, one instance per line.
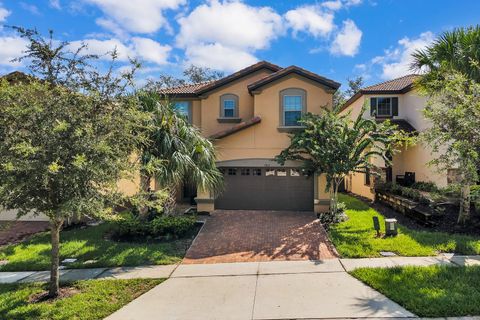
x=266 y=189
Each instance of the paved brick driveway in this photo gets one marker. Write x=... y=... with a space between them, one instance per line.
x=249 y=236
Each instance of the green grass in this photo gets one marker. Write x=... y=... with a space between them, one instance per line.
x=435 y=291
x=96 y=299
x=355 y=238
x=90 y=244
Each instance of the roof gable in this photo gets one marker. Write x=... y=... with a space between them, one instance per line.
x=395 y=86
x=293 y=70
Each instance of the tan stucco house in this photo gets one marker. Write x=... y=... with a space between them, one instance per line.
x=398 y=101
x=249 y=115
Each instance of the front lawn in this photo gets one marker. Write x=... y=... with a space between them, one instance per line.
x=94 y=299
x=435 y=291
x=89 y=244
x=356 y=238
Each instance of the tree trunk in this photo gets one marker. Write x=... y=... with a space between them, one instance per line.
x=464 y=213
x=55 y=227
x=145 y=181
x=171 y=201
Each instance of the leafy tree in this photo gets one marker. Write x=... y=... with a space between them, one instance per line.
x=192 y=74
x=335 y=145
x=340 y=97
x=451 y=76
x=454 y=112
x=175 y=150
x=66 y=135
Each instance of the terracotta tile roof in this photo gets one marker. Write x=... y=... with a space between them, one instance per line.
x=248 y=70
x=398 y=86
x=200 y=88
x=185 y=89
x=401 y=124
x=297 y=70
x=236 y=128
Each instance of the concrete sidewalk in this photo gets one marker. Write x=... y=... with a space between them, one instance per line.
x=242 y=268
x=261 y=290
x=155 y=272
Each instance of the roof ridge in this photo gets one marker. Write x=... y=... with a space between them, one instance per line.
x=391 y=80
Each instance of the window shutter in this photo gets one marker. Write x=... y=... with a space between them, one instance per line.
x=395 y=106
x=373 y=106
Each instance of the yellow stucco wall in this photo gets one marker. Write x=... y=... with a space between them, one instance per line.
x=210 y=105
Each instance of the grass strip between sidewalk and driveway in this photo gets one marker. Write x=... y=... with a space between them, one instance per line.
x=356 y=238
x=91 y=249
x=434 y=291
x=92 y=300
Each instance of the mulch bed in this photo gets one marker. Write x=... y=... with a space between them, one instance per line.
x=12 y=232
x=447 y=223
x=43 y=296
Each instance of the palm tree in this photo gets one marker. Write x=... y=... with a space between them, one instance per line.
x=454 y=52
x=175 y=152
x=457 y=50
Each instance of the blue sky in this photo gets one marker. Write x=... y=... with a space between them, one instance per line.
x=335 y=38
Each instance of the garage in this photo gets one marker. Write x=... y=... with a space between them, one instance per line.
x=280 y=188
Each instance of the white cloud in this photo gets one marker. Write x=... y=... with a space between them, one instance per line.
x=151 y=51
x=141 y=16
x=55 y=4
x=11 y=48
x=33 y=9
x=333 y=5
x=145 y=49
x=396 y=62
x=349 y=3
x=347 y=41
x=4 y=13
x=310 y=19
x=219 y=57
x=231 y=30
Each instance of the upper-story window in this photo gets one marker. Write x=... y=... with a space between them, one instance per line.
x=229 y=106
x=183 y=108
x=384 y=106
x=292 y=106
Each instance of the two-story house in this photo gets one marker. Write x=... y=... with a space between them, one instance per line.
x=249 y=115
x=398 y=101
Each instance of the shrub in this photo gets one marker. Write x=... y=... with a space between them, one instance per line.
x=130 y=226
x=425 y=186
x=171 y=225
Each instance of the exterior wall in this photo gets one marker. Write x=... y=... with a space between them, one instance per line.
x=412 y=159
x=210 y=105
x=355 y=183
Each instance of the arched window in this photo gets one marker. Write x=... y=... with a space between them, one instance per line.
x=292 y=106
x=229 y=106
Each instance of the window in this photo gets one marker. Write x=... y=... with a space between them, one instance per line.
x=245 y=172
x=281 y=172
x=384 y=106
x=183 y=108
x=232 y=171
x=292 y=106
x=294 y=173
x=257 y=172
x=229 y=106
x=269 y=172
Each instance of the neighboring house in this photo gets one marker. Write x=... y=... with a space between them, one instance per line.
x=398 y=101
x=249 y=115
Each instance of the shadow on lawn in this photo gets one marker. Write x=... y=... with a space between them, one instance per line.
x=357 y=238
x=90 y=244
